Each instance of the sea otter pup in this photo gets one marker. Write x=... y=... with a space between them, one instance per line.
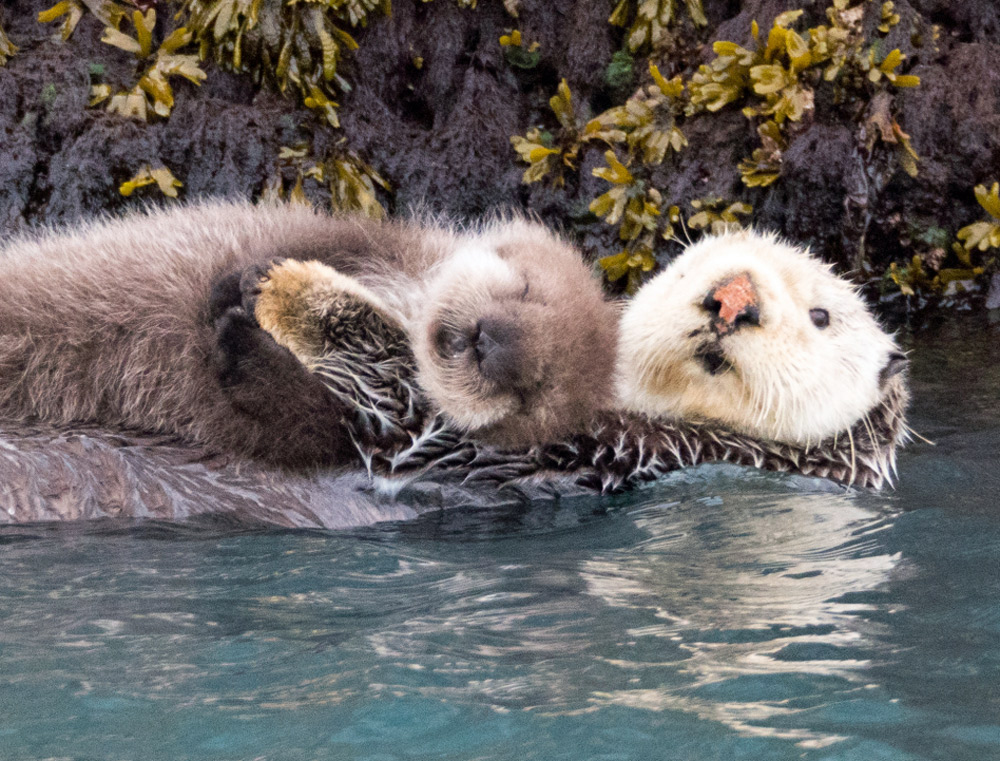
x=512 y=337
x=136 y=323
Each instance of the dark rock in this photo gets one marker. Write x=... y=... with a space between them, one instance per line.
x=993 y=297
x=440 y=131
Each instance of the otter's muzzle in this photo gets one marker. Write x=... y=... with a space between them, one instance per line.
x=499 y=352
x=733 y=304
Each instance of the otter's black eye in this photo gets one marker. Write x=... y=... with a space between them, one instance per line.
x=450 y=343
x=820 y=318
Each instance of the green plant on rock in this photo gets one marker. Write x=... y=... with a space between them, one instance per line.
x=923 y=275
x=780 y=74
x=983 y=235
x=910 y=277
x=887 y=68
x=651 y=19
x=546 y=152
x=638 y=210
x=764 y=165
x=646 y=127
x=7 y=48
x=350 y=181
x=646 y=122
x=620 y=71
x=297 y=45
x=153 y=90
x=71 y=11
x=352 y=184
x=718 y=215
x=162 y=177
x=518 y=54
x=291 y=44
x=926 y=273
x=889 y=17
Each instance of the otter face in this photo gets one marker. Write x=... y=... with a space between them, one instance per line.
x=518 y=344
x=758 y=335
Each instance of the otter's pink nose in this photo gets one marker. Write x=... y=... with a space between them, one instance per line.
x=734 y=304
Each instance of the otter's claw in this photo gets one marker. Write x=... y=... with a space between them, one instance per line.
x=252 y=281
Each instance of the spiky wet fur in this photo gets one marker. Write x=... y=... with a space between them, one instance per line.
x=623 y=449
x=343 y=334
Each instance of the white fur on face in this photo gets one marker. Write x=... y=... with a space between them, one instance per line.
x=788 y=380
x=464 y=282
x=521 y=275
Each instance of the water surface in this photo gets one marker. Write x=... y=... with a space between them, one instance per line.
x=722 y=614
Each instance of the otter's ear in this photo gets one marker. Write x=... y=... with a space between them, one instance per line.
x=896 y=364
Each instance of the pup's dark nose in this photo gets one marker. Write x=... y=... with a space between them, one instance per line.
x=498 y=351
x=733 y=304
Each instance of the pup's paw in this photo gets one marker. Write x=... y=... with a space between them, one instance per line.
x=225 y=295
x=237 y=338
x=252 y=281
x=298 y=302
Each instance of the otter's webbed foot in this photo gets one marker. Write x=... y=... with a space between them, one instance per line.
x=341 y=331
x=288 y=415
x=311 y=308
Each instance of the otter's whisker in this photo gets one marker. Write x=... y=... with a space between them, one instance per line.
x=914 y=433
x=854 y=463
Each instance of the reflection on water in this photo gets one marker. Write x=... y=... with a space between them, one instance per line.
x=722 y=614
x=754 y=605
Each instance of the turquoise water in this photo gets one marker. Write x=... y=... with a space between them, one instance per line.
x=723 y=614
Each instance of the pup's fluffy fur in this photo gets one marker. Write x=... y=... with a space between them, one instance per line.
x=113 y=323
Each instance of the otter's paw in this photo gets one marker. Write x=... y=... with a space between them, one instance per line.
x=301 y=303
x=237 y=340
x=226 y=294
x=251 y=282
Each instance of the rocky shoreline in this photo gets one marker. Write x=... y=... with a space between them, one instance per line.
x=434 y=100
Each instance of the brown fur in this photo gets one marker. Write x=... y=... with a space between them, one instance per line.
x=554 y=331
x=110 y=324
x=113 y=324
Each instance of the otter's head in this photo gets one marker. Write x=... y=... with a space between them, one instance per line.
x=756 y=334
x=517 y=343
